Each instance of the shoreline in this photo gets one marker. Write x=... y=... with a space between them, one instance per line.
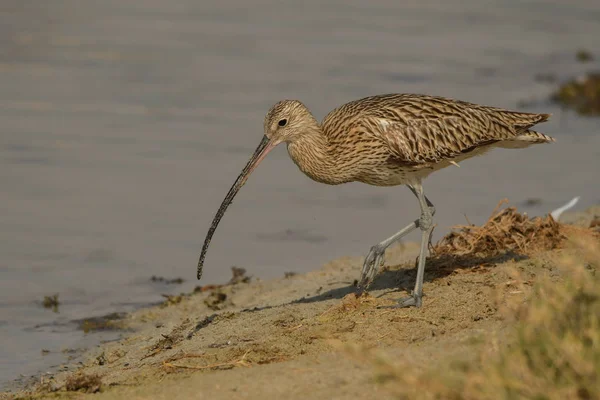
x=231 y=341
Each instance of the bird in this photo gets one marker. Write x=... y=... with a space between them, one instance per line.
x=387 y=140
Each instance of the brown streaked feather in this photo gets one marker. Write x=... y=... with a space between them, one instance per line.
x=522 y=121
x=422 y=129
x=395 y=139
x=535 y=137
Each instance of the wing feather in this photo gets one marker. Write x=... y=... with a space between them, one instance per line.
x=422 y=129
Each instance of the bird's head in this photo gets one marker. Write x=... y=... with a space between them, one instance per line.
x=286 y=122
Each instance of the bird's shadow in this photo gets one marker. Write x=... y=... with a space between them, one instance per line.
x=403 y=278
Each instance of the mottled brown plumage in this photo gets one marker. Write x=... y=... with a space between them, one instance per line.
x=387 y=140
x=397 y=138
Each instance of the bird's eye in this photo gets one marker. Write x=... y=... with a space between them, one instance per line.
x=282 y=122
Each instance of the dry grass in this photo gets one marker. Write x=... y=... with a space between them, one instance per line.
x=553 y=352
x=506 y=230
x=51 y=302
x=83 y=382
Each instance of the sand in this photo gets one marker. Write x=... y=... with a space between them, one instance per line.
x=288 y=337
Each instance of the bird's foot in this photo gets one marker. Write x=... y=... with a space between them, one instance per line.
x=373 y=261
x=413 y=300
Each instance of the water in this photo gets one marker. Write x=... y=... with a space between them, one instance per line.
x=124 y=123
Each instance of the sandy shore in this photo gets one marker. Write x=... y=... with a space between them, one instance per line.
x=288 y=337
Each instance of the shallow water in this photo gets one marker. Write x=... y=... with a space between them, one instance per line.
x=124 y=124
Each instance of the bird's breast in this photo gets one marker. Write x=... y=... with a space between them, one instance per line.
x=318 y=164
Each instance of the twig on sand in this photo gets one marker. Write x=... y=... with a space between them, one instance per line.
x=241 y=362
x=328 y=310
x=293 y=328
x=384 y=335
x=190 y=355
x=412 y=318
x=468 y=222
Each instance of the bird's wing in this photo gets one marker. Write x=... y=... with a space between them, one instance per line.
x=421 y=129
x=430 y=138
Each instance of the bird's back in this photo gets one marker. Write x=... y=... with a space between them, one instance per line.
x=422 y=129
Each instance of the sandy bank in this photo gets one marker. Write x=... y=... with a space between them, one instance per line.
x=285 y=338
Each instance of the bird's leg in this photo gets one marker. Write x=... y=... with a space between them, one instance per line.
x=375 y=258
x=429 y=204
x=426 y=225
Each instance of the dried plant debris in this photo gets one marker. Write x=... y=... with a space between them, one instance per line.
x=168 y=341
x=83 y=382
x=172 y=299
x=238 y=276
x=161 y=279
x=505 y=231
x=236 y=362
x=203 y=324
x=216 y=300
x=206 y=288
x=584 y=56
x=51 y=302
x=109 y=322
x=581 y=94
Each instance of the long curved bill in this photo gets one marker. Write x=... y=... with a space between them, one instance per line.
x=261 y=151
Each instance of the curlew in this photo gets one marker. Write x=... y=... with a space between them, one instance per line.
x=387 y=140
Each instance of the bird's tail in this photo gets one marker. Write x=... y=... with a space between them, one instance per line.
x=526 y=139
x=535 y=137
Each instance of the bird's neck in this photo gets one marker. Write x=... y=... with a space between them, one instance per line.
x=311 y=152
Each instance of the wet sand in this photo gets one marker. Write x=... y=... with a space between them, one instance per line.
x=284 y=337
x=124 y=125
